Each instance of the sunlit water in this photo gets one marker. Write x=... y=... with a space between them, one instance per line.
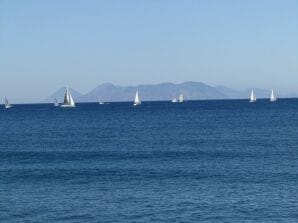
x=203 y=161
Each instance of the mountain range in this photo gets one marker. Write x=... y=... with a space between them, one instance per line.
x=158 y=92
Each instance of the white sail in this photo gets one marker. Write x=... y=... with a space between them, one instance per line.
x=181 y=98
x=174 y=100
x=68 y=100
x=137 y=99
x=273 y=97
x=7 y=105
x=71 y=101
x=252 y=96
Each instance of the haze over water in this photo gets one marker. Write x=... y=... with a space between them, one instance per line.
x=199 y=161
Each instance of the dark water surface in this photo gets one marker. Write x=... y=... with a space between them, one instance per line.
x=203 y=161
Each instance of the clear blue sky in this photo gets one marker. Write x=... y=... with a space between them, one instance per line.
x=52 y=43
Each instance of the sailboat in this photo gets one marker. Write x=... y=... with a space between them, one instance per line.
x=100 y=101
x=181 y=98
x=252 y=97
x=7 y=105
x=137 y=99
x=273 y=97
x=68 y=100
x=56 y=104
x=174 y=100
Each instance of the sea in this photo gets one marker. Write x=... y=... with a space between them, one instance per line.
x=198 y=161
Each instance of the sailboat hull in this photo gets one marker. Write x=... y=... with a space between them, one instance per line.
x=68 y=106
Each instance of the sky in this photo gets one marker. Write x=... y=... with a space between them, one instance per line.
x=47 y=44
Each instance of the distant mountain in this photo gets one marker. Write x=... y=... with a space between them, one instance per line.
x=59 y=95
x=232 y=94
x=153 y=92
x=160 y=92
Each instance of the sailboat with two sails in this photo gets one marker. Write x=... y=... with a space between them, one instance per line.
x=68 y=101
x=7 y=104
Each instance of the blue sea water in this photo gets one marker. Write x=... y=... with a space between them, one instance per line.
x=199 y=161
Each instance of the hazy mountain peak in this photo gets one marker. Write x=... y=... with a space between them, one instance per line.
x=157 y=92
x=107 y=84
x=153 y=92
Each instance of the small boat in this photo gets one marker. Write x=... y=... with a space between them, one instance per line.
x=273 y=97
x=100 y=101
x=56 y=104
x=252 y=97
x=7 y=104
x=174 y=100
x=68 y=100
x=137 y=99
x=181 y=98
